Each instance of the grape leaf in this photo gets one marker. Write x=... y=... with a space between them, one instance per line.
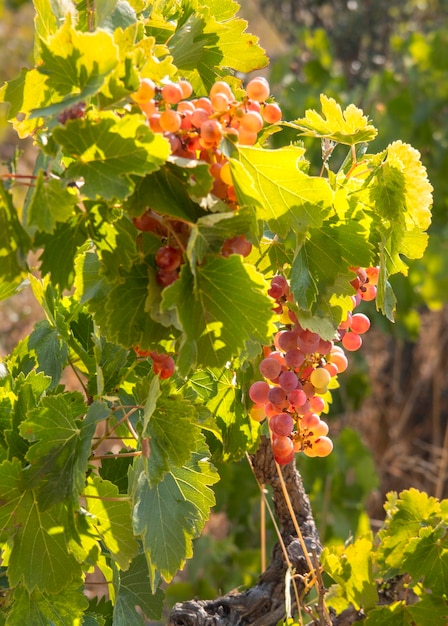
x=406 y=516
x=174 y=434
x=394 y=614
x=349 y=127
x=25 y=93
x=52 y=202
x=169 y=515
x=59 y=609
x=51 y=350
x=168 y=192
x=39 y=557
x=324 y=255
x=14 y=242
x=431 y=610
x=125 y=311
x=59 y=250
x=228 y=307
x=58 y=458
x=74 y=60
x=426 y=557
x=107 y=149
x=287 y=198
x=202 y=42
x=353 y=571
x=111 y=518
x=134 y=590
x=210 y=232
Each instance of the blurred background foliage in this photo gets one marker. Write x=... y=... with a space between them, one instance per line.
x=390 y=414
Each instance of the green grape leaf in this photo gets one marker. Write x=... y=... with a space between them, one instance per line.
x=210 y=232
x=174 y=433
x=168 y=192
x=227 y=308
x=394 y=614
x=134 y=590
x=210 y=37
x=39 y=557
x=406 y=516
x=353 y=571
x=60 y=443
x=349 y=126
x=169 y=515
x=51 y=350
x=287 y=198
x=25 y=93
x=59 y=609
x=426 y=557
x=59 y=250
x=49 y=16
x=52 y=202
x=14 y=242
x=324 y=256
x=111 y=15
x=125 y=311
x=75 y=61
x=107 y=149
x=111 y=518
x=431 y=610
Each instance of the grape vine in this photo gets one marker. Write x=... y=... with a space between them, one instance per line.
x=199 y=291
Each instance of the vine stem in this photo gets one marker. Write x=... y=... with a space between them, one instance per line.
x=313 y=571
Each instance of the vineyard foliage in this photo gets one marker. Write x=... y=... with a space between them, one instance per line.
x=116 y=472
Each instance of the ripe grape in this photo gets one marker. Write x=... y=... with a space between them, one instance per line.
x=199 y=117
x=281 y=447
x=225 y=174
x=236 y=245
x=320 y=377
x=281 y=424
x=339 y=359
x=317 y=404
x=162 y=365
x=257 y=412
x=271 y=113
x=294 y=358
x=258 y=392
x=168 y=258
x=154 y=123
x=308 y=341
x=297 y=397
x=170 y=121
x=322 y=446
x=247 y=137
x=373 y=275
x=351 y=341
x=172 y=93
x=145 y=92
x=211 y=131
x=270 y=368
x=288 y=381
x=147 y=223
x=368 y=292
x=321 y=429
x=186 y=88
x=221 y=87
x=278 y=397
x=287 y=340
x=309 y=420
x=258 y=89
x=166 y=277
x=252 y=122
x=360 y=323
x=220 y=102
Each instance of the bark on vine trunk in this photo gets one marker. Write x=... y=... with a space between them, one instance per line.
x=264 y=604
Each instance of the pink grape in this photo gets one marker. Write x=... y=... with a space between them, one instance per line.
x=271 y=113
x=270 y=368
x=360 y=323
x=281 y=424
x=351 y=341
x=282 y=447
x=277 y=396
x=297 y=397
x=258 y=392
x=308 y=341
x=317 y=404
x=258 y=89
x=287 y=340
x=309 y=420
x=368 y=292
x=288 y=381
x=320 y=429
x=257 y=412
x=294 y=358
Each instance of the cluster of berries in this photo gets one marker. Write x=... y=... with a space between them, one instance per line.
x=297 y=372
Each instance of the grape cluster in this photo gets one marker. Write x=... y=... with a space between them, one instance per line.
x=195 y=127
x=297 y=371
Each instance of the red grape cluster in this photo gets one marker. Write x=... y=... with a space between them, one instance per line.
x=297 y=371
x=195 y=127
x=162 y=364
